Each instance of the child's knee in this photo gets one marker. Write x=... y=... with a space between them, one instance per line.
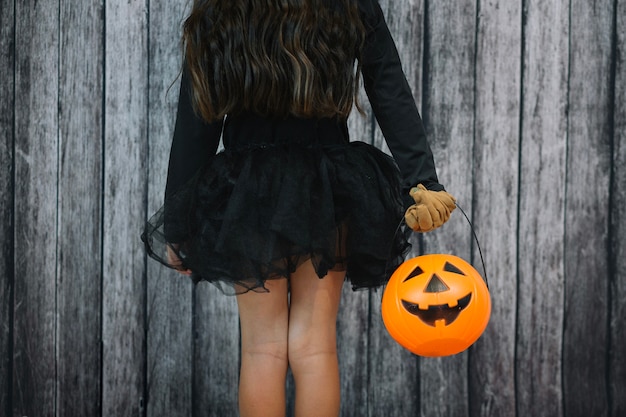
x=308 y=347
x=266 y=350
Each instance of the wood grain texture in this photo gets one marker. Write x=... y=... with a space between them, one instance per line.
x=124 y=299
x=524 y=108
x=587 y=214
x=80 y=194
x=216 y=353
x=169 y=332
x=36 y=171
x=393 y=383
x=448 y=112
x=352 y=348
x=617 y=290
x=496 y=176
x=7 y=159
x=542 y=206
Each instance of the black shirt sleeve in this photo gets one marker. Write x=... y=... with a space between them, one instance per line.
x=393 y=104
x=194 y=143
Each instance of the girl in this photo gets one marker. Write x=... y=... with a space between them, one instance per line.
x=291 y=208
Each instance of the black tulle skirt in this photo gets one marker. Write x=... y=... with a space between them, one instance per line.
x=256 y=214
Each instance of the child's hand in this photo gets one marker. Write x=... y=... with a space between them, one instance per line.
x=175 y=262
x=431 y=209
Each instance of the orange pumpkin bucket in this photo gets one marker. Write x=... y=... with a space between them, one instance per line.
x=436 y=305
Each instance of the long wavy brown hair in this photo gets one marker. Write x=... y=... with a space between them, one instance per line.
x=273 y=57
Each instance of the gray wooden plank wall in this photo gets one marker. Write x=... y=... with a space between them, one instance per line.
x=524 y=104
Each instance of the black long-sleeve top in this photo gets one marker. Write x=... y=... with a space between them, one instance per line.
x=195 y=141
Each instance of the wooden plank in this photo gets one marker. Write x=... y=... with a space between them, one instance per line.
x=36 y=170
x=352 y=322
x=617 y=362
x=393 y=371
x=587 y=208
x=169 y=338
x=496 y=153
x=7 y=163
x=80 y=195
x=542 y=208
x=352 y=351
x=216 y=353
x=448 y=113
x=123 y=317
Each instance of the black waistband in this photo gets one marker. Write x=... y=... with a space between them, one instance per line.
x=253 y=131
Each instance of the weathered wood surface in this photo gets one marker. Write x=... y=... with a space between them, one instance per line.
x=495 y=200
x=79 y=262
x=617 y=227
x=542 y=205
x=524 y=106
x=35 y=200
x=586 y=309
x=125 y=183
x=216 y=353
x=7 y=123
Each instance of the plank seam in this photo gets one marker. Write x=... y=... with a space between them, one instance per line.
x=368 y=370
x=146 y=320
x=102 y=198
x=470 y=396
x=524 y=22
x=565 y=193
x=611 y=255
x=425 y=81
x=193 y=351
x=11 y=254
x=56 y=402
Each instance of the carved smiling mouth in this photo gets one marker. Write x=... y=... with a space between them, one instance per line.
x=438 y=312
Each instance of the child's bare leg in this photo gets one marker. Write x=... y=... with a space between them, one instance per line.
x=264 y=325
x=312 y=341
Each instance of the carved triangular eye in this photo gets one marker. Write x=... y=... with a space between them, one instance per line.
x=436 y=285
x=417 y=271
x=451 y=268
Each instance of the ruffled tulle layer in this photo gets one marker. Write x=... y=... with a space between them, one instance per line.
x=257 y=214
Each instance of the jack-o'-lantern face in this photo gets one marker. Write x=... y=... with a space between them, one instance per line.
x=436 y=305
